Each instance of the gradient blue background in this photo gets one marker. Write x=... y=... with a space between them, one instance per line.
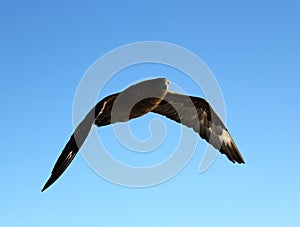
x=253 y=49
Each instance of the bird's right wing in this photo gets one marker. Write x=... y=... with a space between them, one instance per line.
x=196 y=113
x=64 y=160
x=132 y=102
x=76 y=141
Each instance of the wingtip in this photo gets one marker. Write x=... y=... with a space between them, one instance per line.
x=46 y=186
x=242 y=161
x=238 y=159
x=49 y=182
x=232 y=153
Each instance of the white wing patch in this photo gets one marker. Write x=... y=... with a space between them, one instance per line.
x=225 y=138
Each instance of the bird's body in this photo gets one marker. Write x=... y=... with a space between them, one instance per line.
x=139 y=99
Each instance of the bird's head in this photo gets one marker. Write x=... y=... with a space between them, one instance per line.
x=140 y=98
x=149 y=88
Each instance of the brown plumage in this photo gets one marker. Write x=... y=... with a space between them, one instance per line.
x=139 y=99
x=133 y=102
x=196 y=113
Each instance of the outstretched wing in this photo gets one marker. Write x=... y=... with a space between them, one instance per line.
x=196 y=113
x=133 y=102
x=76 y=141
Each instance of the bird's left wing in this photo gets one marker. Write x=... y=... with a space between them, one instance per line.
x=196 y=113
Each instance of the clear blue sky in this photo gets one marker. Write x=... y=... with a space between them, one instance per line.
x=253 y=49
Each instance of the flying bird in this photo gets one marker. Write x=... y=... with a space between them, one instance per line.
x=140 y=99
